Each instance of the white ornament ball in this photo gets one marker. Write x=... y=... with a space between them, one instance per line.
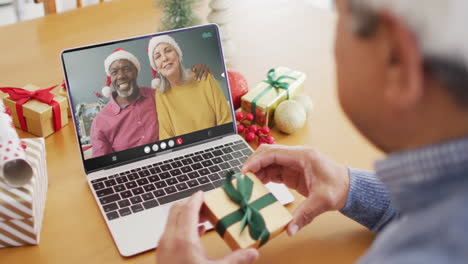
x=290 y=116
x=306 y=102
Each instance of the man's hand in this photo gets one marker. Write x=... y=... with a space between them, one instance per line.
x=324 y=182
x=201 y=71
x=180 y=242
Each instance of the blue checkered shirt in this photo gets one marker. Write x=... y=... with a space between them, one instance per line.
x=417 y=202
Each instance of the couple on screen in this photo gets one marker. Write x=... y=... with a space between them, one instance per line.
x=184 y=101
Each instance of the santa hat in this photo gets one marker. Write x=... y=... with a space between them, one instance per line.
x=153 y=43
x=118 y=54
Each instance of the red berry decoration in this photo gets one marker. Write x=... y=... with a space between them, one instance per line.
x=250 y=117
x=253 y=131
x=239 y=116
x=240 y=128
x=269 y=139
x=249 y=137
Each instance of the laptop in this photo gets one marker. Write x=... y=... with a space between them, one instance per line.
x=145 y=146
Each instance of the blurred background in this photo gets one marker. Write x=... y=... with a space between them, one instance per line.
x=13 y=11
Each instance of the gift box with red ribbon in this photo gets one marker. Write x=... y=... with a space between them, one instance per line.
x=36 y=110
x=62 y=90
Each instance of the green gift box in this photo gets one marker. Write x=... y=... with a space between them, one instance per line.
x=281 y=84
x=244 y=212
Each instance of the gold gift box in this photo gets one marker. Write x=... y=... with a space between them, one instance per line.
x=22 y=209
x=217 y=205
x=267 y=102
x=38 y=115
x=60 y=90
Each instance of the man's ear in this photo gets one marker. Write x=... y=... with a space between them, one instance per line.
x=404 y=84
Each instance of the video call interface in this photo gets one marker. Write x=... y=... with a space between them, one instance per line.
x=147 y=94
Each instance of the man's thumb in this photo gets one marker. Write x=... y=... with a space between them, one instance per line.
x=303 y=215
x=241 y=256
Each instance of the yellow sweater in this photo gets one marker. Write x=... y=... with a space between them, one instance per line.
x=190 y=107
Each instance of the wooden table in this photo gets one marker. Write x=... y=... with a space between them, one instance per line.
x=266 y=34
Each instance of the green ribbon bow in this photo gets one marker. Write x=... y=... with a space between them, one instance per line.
x=273 y=83
x=249 y=214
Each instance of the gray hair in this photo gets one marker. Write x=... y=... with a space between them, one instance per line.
x=165 y=85
x=443 y=61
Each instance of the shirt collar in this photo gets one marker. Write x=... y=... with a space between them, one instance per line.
x=114 y=106
x=409 y=175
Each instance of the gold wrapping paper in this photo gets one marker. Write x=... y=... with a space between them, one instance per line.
x=3 y=95
x=38 y=115
x=267 y=103
x=60 y=90
x=217 y=205
x=22 y=209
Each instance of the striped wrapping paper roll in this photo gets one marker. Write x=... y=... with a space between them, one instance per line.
x=13 y=165
x=22 y=209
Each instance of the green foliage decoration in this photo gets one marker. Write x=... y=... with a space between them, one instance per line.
x=177 y=14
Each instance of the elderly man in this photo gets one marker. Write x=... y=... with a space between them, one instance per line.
x=129 y=119
x=411 y=59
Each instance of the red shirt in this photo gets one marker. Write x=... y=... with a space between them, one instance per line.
x=115 y=129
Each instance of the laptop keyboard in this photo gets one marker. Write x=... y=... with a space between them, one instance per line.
x=143 y=188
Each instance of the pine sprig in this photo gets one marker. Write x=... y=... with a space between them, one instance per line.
x=177 y=14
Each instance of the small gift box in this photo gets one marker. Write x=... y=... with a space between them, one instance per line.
x=41 y=116
x=244 y=212
x=62 y=91
x=22 y=209
x=281 y=84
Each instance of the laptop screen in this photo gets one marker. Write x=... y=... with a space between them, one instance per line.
x=143 y=96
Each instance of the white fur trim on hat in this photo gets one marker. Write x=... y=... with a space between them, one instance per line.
x=155 y=41
x=155 y=83
x=120 y=54
x=106 y=91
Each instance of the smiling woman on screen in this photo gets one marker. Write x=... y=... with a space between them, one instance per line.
x=176 y=89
